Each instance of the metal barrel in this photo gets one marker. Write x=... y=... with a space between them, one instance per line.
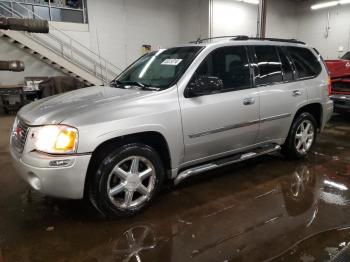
x=14 y=66
x=28 y=25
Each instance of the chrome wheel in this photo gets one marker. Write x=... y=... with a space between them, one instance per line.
x=304 y=137
x=131 y=182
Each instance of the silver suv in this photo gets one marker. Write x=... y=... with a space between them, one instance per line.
x=173 y=114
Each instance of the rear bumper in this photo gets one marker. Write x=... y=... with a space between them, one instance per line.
x=328 y=110
x=341 y=103
x=62 y=182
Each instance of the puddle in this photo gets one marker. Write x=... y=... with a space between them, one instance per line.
x=268 y=208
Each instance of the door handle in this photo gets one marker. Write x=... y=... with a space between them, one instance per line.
x=249 y=101
x=297 y=93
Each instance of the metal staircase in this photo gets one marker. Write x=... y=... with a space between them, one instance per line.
x=59 y=50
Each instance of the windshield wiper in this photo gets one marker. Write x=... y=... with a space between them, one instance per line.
x=117 y=83
x=133 y=83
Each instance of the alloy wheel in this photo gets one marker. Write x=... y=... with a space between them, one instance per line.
x=131 y=182
x=304 y=137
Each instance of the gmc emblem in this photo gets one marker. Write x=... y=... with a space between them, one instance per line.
x=347 y=65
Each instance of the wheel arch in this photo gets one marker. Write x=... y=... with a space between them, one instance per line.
x=153 y=139
x=315 y=109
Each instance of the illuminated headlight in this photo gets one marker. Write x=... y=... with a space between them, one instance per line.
x=57 y=139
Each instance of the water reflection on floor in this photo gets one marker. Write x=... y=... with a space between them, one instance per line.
x=259 y=210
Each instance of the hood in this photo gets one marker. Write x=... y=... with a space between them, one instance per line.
x=338 y=68
x=56 y=109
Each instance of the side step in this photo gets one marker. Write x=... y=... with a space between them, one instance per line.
x=225 y=162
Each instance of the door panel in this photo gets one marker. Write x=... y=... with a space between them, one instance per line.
x=217 y=124
x=277 y=107
x=279 y=100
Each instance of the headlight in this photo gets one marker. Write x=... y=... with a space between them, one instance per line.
x=57 y=139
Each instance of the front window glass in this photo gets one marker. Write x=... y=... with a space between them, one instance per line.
x=159 y=69
x=230 y=64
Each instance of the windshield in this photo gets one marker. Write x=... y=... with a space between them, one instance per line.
x=346 y=56
x=159 y=69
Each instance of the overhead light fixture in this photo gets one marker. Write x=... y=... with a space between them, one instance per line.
x=324 y=5
x=329 y=4
x=254 y=2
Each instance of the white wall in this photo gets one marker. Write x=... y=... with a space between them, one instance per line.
x=312 y=28
x=194 y=20
x=231 y=17
x=122 y=27
x=34 y=66
x=281 y=19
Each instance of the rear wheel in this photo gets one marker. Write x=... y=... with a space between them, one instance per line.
x=127 y=180
x=302 y=136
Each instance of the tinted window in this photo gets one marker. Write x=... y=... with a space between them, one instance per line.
x=287 y=69
x=230 y=64
x=269 y=65
x=305 y=62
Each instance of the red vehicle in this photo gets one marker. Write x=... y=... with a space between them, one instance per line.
x=340 y=88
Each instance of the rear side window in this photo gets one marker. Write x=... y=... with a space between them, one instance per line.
x=306 y=63
x=230 y=64
x=270 y=69
x=287 y=69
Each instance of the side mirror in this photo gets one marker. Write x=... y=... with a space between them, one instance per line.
x=204 y=85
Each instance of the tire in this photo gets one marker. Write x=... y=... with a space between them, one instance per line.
x=291 y=148
x=127 y=181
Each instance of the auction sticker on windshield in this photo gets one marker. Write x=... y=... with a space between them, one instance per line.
x=173 y=62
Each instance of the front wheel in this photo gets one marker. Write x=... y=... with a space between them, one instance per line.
x=301 y=137
x=127 y=180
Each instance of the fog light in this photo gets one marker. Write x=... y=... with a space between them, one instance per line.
x=34 y=181
x=60 y=163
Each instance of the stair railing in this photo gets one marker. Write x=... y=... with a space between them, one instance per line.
x=65 y=46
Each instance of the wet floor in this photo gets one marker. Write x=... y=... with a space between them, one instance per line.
x=268 y=208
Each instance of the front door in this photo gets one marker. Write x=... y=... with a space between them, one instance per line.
x=218 y=124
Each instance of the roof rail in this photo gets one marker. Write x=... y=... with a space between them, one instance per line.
x=244 y=38
x=295 y=41
x=232 y=37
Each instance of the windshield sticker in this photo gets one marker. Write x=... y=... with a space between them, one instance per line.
x=173 y=62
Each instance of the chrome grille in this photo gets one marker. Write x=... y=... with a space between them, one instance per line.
x=19 y=135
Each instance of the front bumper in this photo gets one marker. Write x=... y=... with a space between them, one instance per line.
x=341 y=103
x=62 y=182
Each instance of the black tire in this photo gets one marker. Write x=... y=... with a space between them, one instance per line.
x=289 y=148
x=100 y=181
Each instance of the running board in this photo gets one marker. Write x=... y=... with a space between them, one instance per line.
x=224 y=162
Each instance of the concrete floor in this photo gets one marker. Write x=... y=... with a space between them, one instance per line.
x=268 y=208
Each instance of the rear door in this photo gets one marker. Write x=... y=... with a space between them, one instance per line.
x=280 y=93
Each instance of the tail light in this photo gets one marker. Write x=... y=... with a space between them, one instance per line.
x=329 y=86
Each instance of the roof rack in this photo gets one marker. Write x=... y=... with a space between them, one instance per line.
x=295 y=41
x=232 y=37
x=244 y=38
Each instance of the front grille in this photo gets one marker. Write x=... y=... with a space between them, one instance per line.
x=19 y=135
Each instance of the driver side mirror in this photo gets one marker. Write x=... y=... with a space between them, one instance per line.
x=204 y=85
